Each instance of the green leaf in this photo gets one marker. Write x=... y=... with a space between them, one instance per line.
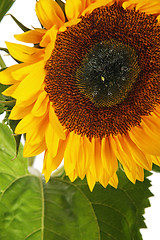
x=5 y=6
x=30 y=209
x=155 y=168
x=119 y=211
x=24 y=28
x=10 y=169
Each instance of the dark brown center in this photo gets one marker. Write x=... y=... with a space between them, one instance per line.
x=107 y=73
x=84 y=51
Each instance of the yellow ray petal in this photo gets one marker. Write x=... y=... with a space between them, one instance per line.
x=49 y=13
x=84 y=156
x=146 y=139
x=6 y=77
x=140 y=173
x=124 y=157
x=97 y=4
x=37 y=134
x=49 y=37
x=69 y=24
x=91 y=180
x=114 y=181
x=28 y=122
x=96 y=166
x=71 y=153
x=109 y=159
x=74 y=8
x=31 y=84
x=130 y=175
x=72 y=176
x=154 y=159
x=104 y=179
x=137 y=155
x=24 y=53
x=52 y=140
x=33 y=150
x=32 y=36
x=56 y=124
x=10 y=90
x=40 y=106
x=50 y=163
x=147 y=6
x=24 y=69
x=20 y=112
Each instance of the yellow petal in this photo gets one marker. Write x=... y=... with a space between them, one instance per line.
x=32 y=36
x=114 y=181
x=97 y=4
x=74 y=8
x=140 y=173
x=40 y=106
x=109 y=159
x=104 y=179
x=69 y=24
x=52 y=140
x=33 y=150
x=91 y=180
x=124 y=157
x=147 y=137
x=83 y=160
x=24 y=53
x=71 y=153
x=24 y=69
x=72 y=176
x=36 y=135
x=96 y=166
x=6 y=77
x=49 y=36
x=50 y=163
x=56 y=124
x=30 y=84
x=147 y=6
x=137 y=155
x=10 y=90
x=29 y=121
x=49 y=13
x=154 y=159
x=20 y=112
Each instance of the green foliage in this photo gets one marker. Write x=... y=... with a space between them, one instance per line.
x=10 y=169
x=5 y=6
x=156 y=168
x=119 y=211
x=31 y=209
x=24 y=28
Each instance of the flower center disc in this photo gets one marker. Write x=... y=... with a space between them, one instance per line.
x=107 y=73
x=103 y=75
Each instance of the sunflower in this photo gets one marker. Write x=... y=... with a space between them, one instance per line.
x=88 y=90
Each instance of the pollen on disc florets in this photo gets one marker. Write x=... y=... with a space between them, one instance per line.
x=107 y=73
x=75 y=106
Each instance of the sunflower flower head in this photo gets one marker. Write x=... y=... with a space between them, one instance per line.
x=89 y=89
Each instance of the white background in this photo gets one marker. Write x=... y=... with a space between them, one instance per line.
x=24 y=11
